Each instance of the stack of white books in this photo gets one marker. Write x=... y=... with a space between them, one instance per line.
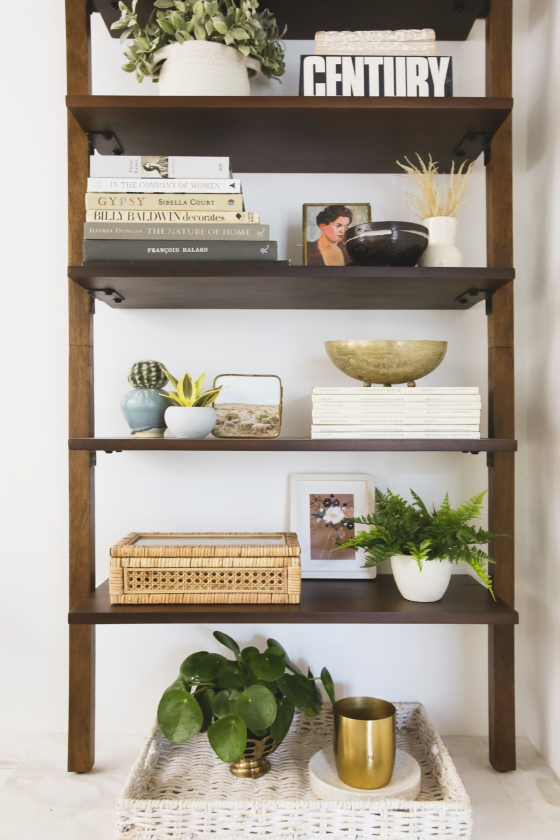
x=407 y=413
x=376 y=42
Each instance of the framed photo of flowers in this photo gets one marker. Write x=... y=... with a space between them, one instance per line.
x=321 y=507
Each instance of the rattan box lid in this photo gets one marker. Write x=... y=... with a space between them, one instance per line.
x=207 y=545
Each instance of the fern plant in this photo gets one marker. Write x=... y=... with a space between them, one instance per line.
x=398 y=527
x=189 y=392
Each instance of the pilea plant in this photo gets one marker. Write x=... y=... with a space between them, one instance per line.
x=398 y=527
x=236 y=24
x=147 y=374
x=188 y=394
x=253 y=695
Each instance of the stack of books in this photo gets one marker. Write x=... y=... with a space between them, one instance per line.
x=169 y=208
x=408 y=413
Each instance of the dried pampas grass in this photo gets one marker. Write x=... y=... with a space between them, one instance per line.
x=425 y=179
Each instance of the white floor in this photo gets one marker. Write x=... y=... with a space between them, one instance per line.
x=39 y=800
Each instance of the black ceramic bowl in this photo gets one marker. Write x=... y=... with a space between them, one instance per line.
x=386 y=243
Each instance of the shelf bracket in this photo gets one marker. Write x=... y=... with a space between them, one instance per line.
x=472 y=145
x=489 y=459
x=93 y=459
x=106 y=295
x=479 y=294
x=105 y=143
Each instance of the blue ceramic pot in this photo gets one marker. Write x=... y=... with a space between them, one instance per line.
x=144 y=409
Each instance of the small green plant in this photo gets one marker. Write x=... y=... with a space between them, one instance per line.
x=188 y=394
x=250 y=696
x=398 y=527
x=147 y=374
x=236 y=24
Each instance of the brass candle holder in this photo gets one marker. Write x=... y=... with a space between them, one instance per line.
x=365 y=741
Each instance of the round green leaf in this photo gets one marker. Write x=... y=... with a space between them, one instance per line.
x=248 y=653
x=328 y=684
x=205 y=699
x=227 y=641
x=292 y=667
x=251 y=679
x=188 y=669
x=180 y=684
x=223 y=703
x=313 y=710
x=231 y=676
x=179 y=716
x=298 y=689
x=267 y=666
x=257 y=707
x=284 y=716
x=228 y=737
x=210 y=666
x=277 y=648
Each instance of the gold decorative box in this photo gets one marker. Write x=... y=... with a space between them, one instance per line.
x=206 y=569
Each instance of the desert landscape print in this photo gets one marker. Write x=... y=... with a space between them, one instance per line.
x=246 y=420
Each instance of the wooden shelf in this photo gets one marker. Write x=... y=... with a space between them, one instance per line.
x=322 y=602
x=277 y=285
x=282 y=444
x=292 y=133
x=452 y=20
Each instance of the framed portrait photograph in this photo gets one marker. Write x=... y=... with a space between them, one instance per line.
x=324 y=226
x=320 y=509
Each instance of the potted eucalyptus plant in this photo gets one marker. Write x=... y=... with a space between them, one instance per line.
x=202 y=47
x=191 y=414
x=245 y=705
x=422 y=546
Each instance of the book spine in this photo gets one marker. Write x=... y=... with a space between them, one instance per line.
x=394 y=421
x=155 y=166
x=406 y=415
x=163 y=185
x=374 y=48
x=377 y=35
x=373 y=392
x=174 y=201
x=399 y=435
x=394 y=427
x=349 y=403
x=188 y=216
x=143 y=230
x=140 y=250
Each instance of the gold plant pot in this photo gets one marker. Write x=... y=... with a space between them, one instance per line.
x=254 y=763
x=386 y=362
x=365 y=741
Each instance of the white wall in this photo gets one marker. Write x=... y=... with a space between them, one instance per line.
x=543 y=583
x=445 y=667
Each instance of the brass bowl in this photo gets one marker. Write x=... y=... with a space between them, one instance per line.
x=386 y=362
x=253 y=763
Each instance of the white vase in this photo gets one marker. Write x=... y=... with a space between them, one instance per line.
x=205 y=68
x=441 y=251
x=190 y=422
x=424 y=586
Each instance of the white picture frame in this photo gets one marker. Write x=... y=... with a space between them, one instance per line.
x=305 y=485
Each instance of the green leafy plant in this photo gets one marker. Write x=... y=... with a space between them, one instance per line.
x=188 y=394
x=236 y=24
x=398 y=527
x=254 y=695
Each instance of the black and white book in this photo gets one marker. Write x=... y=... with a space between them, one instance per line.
x=376 y=75
x=113 y=250
x=157 y=166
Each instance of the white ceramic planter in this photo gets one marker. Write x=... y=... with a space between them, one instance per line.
x=424 y=586
x=205 y=68
x=441 y=251
x=190 y=422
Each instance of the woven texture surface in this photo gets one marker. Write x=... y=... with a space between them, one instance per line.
x=184 y=792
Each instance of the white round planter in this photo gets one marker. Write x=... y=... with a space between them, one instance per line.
x=441 y=250
x=205 y=68
x=193 y=423
x=415 y=585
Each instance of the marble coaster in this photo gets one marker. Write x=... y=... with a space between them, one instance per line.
x=324 y=780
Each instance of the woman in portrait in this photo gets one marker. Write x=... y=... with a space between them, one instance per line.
x=329 y=249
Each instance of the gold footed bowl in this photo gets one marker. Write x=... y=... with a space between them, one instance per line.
x=386 y=362
x=254 y=763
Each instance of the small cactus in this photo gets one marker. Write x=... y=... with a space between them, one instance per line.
x=147 y=374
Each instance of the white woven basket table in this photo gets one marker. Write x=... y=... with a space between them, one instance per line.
x=184 y=792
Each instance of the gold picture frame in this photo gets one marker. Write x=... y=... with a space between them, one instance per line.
x=330 y=230
x=240 y=414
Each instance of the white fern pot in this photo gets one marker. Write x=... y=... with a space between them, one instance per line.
x=205 y=68
x=190 y=422
x=427 y=585
x=441 y=251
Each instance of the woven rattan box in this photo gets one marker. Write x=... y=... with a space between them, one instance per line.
x=184 y=792
x=216 y=568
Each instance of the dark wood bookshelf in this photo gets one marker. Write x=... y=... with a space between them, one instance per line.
x=451 y=19
x=322 y=602
x=289 y=133
x=286 y=444
x=279 y=285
